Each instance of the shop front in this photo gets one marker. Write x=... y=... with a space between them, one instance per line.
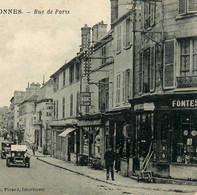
x=91 y=139
x=166 y=133
x=120 y=135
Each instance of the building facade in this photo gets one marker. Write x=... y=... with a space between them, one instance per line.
x=164 y=108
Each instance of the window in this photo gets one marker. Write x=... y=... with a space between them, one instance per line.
x=103 y=54
x=78 y=71
x=71 y=74
x=127 y=34
x=78 y=103
x=126 y=85
x=149 y=14
x=187 y=6
x=56 y=84
x=104 y=94
x=184 y=138
x=188 y=57
x=117 y=89
x=146 y=70
x=168 y=64
x=64 y=78
x=71 y=105
x=118 y=38
x=152 y=69
x=63 y=108
x=141 y=73
x=57 y=109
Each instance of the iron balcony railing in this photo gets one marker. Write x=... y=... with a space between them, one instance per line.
x=186 y=81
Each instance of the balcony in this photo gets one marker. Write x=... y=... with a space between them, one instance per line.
x=187 y=82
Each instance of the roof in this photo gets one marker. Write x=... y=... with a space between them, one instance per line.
x=31 y=98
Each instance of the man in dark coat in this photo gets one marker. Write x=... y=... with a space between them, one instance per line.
x=109 y=162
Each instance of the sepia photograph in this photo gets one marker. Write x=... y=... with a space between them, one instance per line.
x=98 y=97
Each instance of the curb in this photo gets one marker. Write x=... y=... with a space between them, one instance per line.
x=114 y=184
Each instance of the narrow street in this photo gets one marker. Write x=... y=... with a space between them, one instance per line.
x=46 y=179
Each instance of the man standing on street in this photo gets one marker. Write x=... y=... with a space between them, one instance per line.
x=109 y=162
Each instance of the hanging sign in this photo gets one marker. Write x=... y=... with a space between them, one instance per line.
x=85 y=99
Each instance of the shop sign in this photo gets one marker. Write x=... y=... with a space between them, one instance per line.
x=85 y=99
x=184 y=103
x=145 y=106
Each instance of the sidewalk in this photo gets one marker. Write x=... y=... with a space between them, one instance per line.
x=127 y=182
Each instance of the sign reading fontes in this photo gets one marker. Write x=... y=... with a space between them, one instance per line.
x=184 y=103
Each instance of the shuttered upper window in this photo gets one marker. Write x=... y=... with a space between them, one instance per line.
x=169 y=64
x=187 y=6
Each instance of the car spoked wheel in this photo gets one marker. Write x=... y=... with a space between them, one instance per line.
x=8 y=162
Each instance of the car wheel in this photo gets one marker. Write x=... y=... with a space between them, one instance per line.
x=8 y=162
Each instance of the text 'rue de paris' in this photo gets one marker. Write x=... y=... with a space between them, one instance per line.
x=50 y=11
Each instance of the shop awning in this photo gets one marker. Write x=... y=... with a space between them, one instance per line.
x=66 y=132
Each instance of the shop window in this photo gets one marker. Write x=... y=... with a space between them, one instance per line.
x=187 y=6
x=85 y=141
x=185 y=139
x=164 y=136
x=149 y=14
x=145 y=133
x=72 y=142
x=169 y=64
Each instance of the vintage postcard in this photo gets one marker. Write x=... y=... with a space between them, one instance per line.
x=98 y=97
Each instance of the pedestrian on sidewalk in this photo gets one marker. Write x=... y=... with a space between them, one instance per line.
x=117 y=159
x=33 y=150
x=109 y=162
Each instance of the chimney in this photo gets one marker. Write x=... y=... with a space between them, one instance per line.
x=98 y=31
x=114 y=10
x=85 y=37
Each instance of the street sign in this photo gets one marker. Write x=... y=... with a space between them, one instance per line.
x=85 y=99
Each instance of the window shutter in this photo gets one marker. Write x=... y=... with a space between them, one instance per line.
x=123 y=87
x=152 y=14
x=152 y=69
x=124 y=35
x=169 y=64
x=191 y=5
x=182 y=6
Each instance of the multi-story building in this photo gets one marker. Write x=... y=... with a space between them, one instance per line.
x=14 y=108
x=27 y=109
x=66 y=107
x=95 y=95
x=43 y=115
x=164 y=103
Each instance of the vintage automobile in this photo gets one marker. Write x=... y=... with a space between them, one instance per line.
x=18 y=156
x=5 y=148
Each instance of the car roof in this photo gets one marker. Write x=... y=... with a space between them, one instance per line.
x=19 y=148
x=7 y=142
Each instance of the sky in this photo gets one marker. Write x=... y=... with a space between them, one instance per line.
x=33 y=45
